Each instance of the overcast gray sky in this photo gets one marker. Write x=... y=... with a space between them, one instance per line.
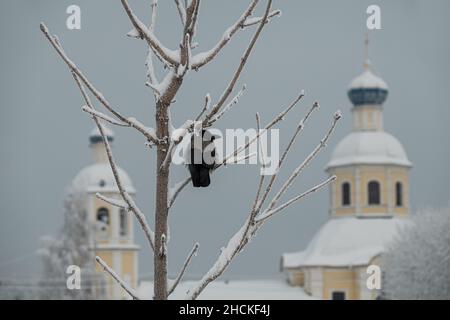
x=315 y=45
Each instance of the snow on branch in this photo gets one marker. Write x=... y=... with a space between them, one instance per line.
x=181 y=11
x=252 y=21
x=203 y=58
x=228 y=107
x=305 y=162
x=79 y=76
x=263 y=163
x=299 y=128
x=176 y=191
x=147 y=131
x=185 y=65
x=151 y=75
x=205 y=106
x=115 y=202
x=183 y=269
x=239 y=69
x=191 y=17
x=103 y=116
x=171 y=57
x=114 y=275
x=267 y=214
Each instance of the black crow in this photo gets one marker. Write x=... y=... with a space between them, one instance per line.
x=202 y=158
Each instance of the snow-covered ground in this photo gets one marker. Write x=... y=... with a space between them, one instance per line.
x=265 y=289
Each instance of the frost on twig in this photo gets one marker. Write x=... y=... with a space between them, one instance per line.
x=181 y=11
x=103 y=116
x=80 y=77
x=232 y=83
x=115 y=202
x=183 y=269
x=252 y=21
x=228 y=107
x=114 y=275
x=205 y=106
x=203 y=58
x=171 y=57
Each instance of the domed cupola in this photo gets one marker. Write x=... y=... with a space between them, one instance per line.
x=371 y=165
x=98 y=177
x=367 y=89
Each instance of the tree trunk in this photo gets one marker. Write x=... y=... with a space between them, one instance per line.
x=161 y=210
x=162 y=188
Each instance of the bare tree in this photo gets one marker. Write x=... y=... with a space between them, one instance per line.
x=178 y=63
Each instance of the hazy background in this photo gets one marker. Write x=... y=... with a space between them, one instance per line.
x=315 y=45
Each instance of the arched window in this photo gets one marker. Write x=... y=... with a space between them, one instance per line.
x=346 y=200
x=123 y=223
x=103 y=218
x=373 y=190
x=398 y=194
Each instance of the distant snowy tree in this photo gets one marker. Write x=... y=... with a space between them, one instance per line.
x=177 y=63
x=71 y=247
x=417 y=264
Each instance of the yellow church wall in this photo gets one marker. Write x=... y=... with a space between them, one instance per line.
x=343 y=175
x=340 y=279
x=296 y=278
x=128 y=266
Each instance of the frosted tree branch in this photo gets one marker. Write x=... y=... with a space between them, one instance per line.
x=183 y=269
x=177 y=191
x=114 y=275
x=252 y=21
x=228 y=107
x=103 y=116
x=203 y=58
x=151 y=75
x=299 y=128
x=305 y=162
x=169 y=56
x=205 y=107
x=262 y=157
x=191 y=17
x=267 y=214
x=117 y=203
x=181 y=12
x=98 y=95
x=240 y=67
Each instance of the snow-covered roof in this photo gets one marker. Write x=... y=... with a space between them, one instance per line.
x=266 y=289
x=346 y=241
x=369 y=147
x=99 y=178
x=368 y=80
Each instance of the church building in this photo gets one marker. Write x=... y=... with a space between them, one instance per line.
x=369 y=202
x=113 y=227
